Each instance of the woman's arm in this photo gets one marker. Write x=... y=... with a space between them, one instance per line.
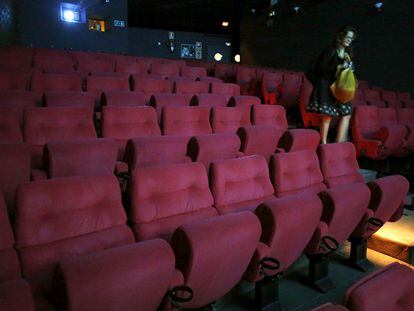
x=326 y=63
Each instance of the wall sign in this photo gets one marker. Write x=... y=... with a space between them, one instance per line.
x=119 y=23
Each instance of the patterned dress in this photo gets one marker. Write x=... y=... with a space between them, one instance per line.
x=322 y=100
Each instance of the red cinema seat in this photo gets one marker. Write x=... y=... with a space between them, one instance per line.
x=374 y=292
x=69 y=99
x=161 y=100
x=186 y=121
x=225 y=72
x=344 y=206
x=9 y=262
x=309 y=119
x=290 y=91
x=131 y=67
x=191 y=87
x=42 y=125
x=44 y=82
x=15 y=61
x=156 y=150
x=9 y=125
x=293 y=139
x=389 y=118
x=210 y=100
x=81 y=279
x=16 y=295
x=14 y=80
x=244 y=101
x=210 y=147
x=209 y=269
x=88 y=65
x=339 y=166
x=183 y=198
x=123 y=98
x=48 y=230
x=240 y=184
x=371 y=139
x=150 y=86
x=80 y=157
x=358 y=102
x=370 y=94
x=193 y=72
x=246 y=78
x=229 y=89
x=52 y=53
x=211 y=80
x=165 y=70
x=270 y=87
x=45 y=63
x=14 y=170
x=229 y=119
x=123 y=123
x=18 y=101
x=100 y=84
x=406 y=118
x=404 y=96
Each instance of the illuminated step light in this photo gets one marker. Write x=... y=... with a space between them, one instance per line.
x=218 y=56
x=225 y=23
x=237 y=58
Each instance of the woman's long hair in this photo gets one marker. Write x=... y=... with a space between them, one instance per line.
x=340 y=35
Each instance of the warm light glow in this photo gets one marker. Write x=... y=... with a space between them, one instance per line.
x=218 y=56
x=225 y=24
x=237 y=58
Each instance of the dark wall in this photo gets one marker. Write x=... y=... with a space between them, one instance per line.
x=152 y=42
x=384 y=49
x=42 y=27
x=9 y=22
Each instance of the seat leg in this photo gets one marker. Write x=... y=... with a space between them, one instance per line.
x=267 y=294
x=358 y=258
x=319 y=272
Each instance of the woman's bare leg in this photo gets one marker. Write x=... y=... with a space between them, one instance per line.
x=343 y=128
x=324 y=128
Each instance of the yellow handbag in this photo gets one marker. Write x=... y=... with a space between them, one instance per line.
x=345 y=86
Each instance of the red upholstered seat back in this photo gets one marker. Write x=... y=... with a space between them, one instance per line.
x=366 y=119
x=9 y=125
x=387 y=116
x=271 y=80
x=54 y=63
x=406 y=116
x=225 y=88
x=193 y=72
x=124 y=98
x=210 y=100
x=131 y=67
x=191 y=87
x=339 y=164
x=165 y=70
x=19 y=81
x=186 y=120
x=102 y=83
x=56 y=82
x=245 y=74
x=229 y=119
x=269 y=115
x=296 y=172
x=151 y=86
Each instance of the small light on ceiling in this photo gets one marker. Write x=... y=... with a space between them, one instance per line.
x=379 y=5
x=228 y=43
x=237 y=58
x=272 y=13
x=225 y=23
x=296 y=8
x=218 y=56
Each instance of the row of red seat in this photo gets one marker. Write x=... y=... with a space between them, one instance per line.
x=382 y=99
x=299 y=196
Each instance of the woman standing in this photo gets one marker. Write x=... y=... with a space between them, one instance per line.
x=329 y=64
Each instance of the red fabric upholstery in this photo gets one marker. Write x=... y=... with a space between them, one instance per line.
x=131 y=67
x=9 y=125
x=269 y=115
x=88 y=65
x=156 y=150
x=240 y=184
x=377 y=103
x=309 y=119
x=165 y=197
x=191 y=87
x=370 y=94
x=244 y=101
x=56 y=82
x=19 y=81
x=210 y=100
x=67 y=217
x=210 y=269
x=211 y=80
x=18 y=101
x=225 y=89
x=395 y=103
x=374 y=292
x=229 y=119
x=193 y=72
x=69 y=99
x=289 y=93
x=300 y=139
x=14 y=170
x=15 y=295
x=372 y=140
x=123 y=98
x=80 y=157
x=287 y=227
x=9 y=263
x=406 y=117
x=90 y=282
x=102 y=83
x=270 y=87
x=296 y=172
x=330 y=307
x=58 y=123
x=186 y=120
x=210 y=147
x=150 y=86
x=123 y=123
x=259 y=139
x=226 y=72
x=160 y=100
x=53 y=64
x=11 y=60
x=246 y=78
x=165 y=70
x=404 y=96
